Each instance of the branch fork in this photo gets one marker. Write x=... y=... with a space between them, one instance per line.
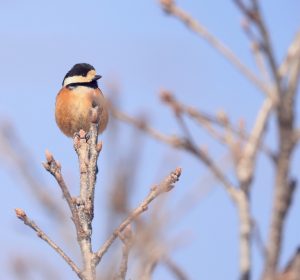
x=82 y=207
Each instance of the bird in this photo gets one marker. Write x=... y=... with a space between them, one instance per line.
x=78 y=95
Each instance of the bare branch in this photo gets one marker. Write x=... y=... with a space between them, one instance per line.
x=88 y=150
x=292 y=270
x=245 y=226
x=175 y=269
x=22 y=216
x=221 y=120
x=165 y=186
x=171 y=140
x=184 y=144
x=291 y=56
x=54 y=168
x=245 y=167
x=254 y=14
x=294 y=67
x=127 y=239
x=170 y=7
x=281 y=204
x=12 y=149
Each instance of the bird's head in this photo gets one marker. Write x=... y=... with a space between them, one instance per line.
x=81 y=74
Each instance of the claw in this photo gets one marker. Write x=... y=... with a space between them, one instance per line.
x=76 y=134
x=87 y=136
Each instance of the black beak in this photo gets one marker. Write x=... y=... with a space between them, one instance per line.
x=97 y=77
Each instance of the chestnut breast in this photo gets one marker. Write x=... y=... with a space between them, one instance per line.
x=72 y=109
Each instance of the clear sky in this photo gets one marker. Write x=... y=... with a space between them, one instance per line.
x=136 y=46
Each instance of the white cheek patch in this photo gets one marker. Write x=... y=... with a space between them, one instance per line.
x=76 y=79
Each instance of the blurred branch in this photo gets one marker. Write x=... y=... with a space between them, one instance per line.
x=177 y=142
x=12 y=149
x=245 y=167
x=238 y=195
x=127 y=239
x=292 y=270
x=293 y=67
x=22 y=267
x=245 y=230
x=285 y=184
x=175 y=269
x=291 y=56
x=165 y=186
x=255 y=16
x=170 y=8
x=221 y=120
x=22 y=216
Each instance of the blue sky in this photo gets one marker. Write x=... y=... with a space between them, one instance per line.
x=135 y=45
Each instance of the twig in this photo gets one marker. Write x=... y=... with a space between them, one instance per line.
x=184 y=144
x=238 y=195
x=255 y=16
x=170 y=8
x=207 y=120
x=291 y=56
x=54 y=168
x=127 y=239
x=267 y=45
x=165 y=186
x=175 y=269
x=22 y=216
x=258 y=239
x=12 y=148
x=293 y=68
x=142 y=125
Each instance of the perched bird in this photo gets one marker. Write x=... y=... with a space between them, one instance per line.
x=78 y=95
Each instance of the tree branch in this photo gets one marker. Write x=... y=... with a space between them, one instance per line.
x=127 y=239
x=245 y=167
x=180 y=143
x=54 y=168
x=170 y=8
x=165 y=186
x=23 y=217
x=87 y=149
x=255 y=16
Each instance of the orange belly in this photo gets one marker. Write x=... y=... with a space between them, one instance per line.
x=72 y=109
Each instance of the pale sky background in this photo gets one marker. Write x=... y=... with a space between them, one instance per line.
x=134 y=44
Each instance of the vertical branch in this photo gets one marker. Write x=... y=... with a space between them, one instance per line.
x=93 y=153
x=243 y=205
x=284 y=184
x=127 y=239
x=82 y=149
x=88 y=150
x=245 y=167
